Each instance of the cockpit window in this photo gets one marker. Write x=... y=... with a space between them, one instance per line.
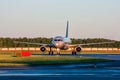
x=55 y=40
x=58 y=40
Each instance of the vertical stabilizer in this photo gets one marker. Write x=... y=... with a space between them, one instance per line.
x=67 y=29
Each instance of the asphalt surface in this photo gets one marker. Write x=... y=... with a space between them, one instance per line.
x=63 y=72
x=99 y=71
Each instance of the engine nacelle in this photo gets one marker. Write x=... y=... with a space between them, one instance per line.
x=43 y=49
x=78 y=49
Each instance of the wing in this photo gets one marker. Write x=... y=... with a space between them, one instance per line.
x=75 y=45
x=40 y=44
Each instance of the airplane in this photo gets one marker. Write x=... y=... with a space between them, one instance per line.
x=61 y=43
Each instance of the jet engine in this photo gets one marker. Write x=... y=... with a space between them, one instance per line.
x=78 y=49
x=43 y=49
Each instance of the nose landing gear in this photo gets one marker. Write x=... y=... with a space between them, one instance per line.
x=58 y=51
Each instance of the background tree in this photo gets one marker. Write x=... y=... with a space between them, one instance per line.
x=9 y=42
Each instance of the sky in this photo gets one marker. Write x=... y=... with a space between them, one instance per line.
x=48 y=18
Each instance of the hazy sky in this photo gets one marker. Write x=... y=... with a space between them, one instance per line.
x=47 y=18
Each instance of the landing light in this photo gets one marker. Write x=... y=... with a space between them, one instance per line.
x=57 y=44
x=58 y=49
x=70 y=49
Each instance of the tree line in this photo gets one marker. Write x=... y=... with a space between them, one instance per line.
x=9 y=42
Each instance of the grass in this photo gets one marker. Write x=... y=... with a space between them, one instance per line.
x=10 y=60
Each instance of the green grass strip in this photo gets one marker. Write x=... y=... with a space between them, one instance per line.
x=8 y=60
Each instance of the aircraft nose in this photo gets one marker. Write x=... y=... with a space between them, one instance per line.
x=58 y=45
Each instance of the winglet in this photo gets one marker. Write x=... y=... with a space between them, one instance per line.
x=67 y=29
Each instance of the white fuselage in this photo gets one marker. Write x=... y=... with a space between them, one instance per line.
x=61 y=42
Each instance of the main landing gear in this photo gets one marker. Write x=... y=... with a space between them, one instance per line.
x=51 y=52
x=74 y=53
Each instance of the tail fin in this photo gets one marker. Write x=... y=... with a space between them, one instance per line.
x=67 y=29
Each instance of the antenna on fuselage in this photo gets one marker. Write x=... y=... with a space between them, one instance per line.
x=67 y=29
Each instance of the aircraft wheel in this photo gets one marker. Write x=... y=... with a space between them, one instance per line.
x=74 y=53
x=58 y=53
x=51 y=52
